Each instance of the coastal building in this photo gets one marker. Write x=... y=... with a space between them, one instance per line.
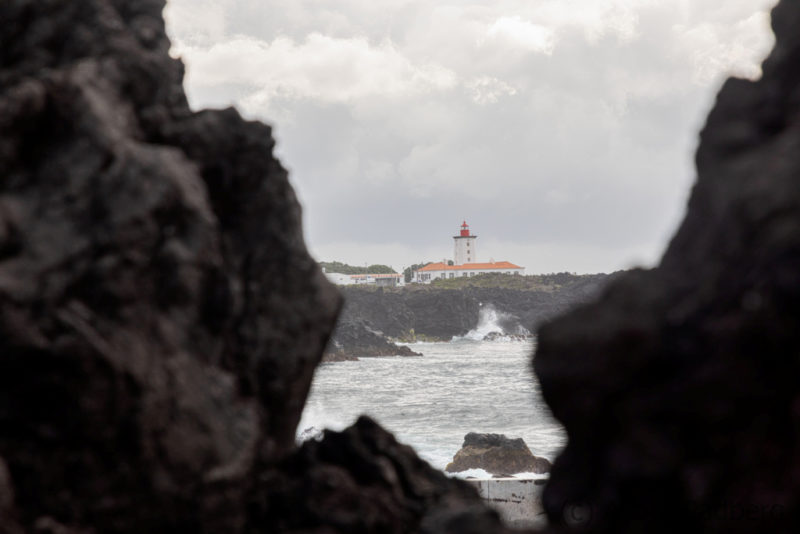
x=464 y=262
x=431 y=272
x=385 y=280
x=378 y=279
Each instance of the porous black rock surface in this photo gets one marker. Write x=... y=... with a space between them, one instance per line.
x=160 y=318
x=680 y=387
x=497 y=454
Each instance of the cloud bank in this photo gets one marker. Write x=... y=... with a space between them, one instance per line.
x=562 y=131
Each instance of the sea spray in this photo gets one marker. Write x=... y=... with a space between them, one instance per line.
x=491 y=322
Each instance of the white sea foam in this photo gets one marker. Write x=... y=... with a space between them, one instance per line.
x=482 y=474
x=431 y=402
x=470 y=473
x=490 y=321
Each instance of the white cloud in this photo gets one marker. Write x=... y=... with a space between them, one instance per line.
x=563 y=128
x=716 y=49
x=321 y=68
x=522 y=33
x=488 y=89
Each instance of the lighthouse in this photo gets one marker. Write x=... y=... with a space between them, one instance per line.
x=464 y=243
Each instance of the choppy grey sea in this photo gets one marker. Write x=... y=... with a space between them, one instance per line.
x=431 y=402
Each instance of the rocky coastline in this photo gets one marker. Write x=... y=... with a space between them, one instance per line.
x=374 y=320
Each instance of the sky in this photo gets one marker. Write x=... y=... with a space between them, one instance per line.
x=562 y=131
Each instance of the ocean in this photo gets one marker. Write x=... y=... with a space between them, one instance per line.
x=431 y=402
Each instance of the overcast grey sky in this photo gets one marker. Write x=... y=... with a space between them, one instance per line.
x=563 y=131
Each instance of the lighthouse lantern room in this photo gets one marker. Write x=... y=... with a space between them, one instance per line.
x=464 y=251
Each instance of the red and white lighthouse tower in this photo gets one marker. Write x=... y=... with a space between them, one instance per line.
x=464 y=251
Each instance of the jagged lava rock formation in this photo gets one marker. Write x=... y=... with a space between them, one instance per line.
x=160 y=318
x=354 y=338
x=680 y=387
x=496 y=454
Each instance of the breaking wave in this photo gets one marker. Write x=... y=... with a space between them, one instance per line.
x=493 y=325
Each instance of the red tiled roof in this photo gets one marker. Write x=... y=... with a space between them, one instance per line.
x=470 y=266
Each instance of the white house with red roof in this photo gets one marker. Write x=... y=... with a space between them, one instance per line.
x=465 y=262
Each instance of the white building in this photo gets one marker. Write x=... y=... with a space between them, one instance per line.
x=431 y=272
x=389 y=280
x=465 y=262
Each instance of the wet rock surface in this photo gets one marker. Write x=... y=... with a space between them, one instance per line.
x=354 y=338
x=496 y=454
x=500 y=336
x=680 y=387
x=160 y=318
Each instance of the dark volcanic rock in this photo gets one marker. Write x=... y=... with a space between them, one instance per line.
x=353 y=338
x=160 y=318
x=680 y=388
x=495 y=336
x=433 y=313
x=496 y=454
x=363 y=480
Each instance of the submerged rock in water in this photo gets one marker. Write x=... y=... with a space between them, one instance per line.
x=680 y=387
x=496 y=454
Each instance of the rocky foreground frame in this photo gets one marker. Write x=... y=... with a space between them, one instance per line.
x=160 y=320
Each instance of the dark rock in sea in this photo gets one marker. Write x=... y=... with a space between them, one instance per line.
x=337 y=356
x=680 y=387
x=354 y=338
x=496 y=454
x=160 y=318
x=497 y=336
x=363 y=480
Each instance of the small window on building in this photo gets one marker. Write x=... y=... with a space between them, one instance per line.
x=472 y=274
